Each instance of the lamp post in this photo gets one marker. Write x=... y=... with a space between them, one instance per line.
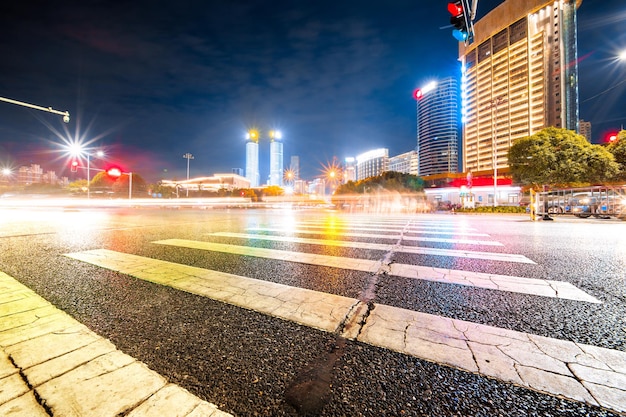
x=99 y=154
x=187 y=156
x=494 y=145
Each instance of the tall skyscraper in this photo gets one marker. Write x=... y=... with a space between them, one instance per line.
x=438 y=128
x=252 y=158
x=519 y=76
x=276 y=158
x=294 y=166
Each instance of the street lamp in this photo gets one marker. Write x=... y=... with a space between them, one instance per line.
x=494 y=145
x=98 y=154
x=187 y=156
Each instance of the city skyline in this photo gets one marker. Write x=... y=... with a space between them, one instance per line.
x=151 y=82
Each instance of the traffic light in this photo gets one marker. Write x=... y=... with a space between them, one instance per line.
x=612 y=137
x=74 y=166
x=459 y=21
x=114 y=172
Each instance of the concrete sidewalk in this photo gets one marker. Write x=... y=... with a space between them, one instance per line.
x=50 y=364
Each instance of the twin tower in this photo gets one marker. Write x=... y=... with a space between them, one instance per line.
x=276 y=158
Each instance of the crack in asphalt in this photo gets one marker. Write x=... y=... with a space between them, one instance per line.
x=310 y=390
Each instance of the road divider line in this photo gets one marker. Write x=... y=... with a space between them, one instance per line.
x=492 y=256
x=532 y=286
x=47 y=357
x=395 y=237
x=563 y=368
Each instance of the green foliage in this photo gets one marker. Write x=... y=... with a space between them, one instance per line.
x=388 y=181
x=559 y=156
x=618 y=149
x=491 y=209
x=273 y=190
x=119 y=186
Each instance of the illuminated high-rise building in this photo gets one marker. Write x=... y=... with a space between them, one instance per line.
x=276 y=158
x=294 y=167
x=520 y=75
x=438 y=130
x=372 y=163
x=252 y=158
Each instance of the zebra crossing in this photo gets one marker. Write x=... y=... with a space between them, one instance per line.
x=563 y=368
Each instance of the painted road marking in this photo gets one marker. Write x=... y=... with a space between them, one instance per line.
x=332 y=232
x=411 y=230
x=372 y=227
x=492 y=256
x=78 y=372
x=541 y=287
x=572 y=370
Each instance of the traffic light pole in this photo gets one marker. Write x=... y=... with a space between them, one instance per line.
x=65 y=114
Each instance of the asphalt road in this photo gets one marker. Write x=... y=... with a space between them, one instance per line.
x=252 y=364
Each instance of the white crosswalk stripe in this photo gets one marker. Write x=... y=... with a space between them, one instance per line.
x=547 y=288
x=380 y=236
x=575 y=371
x=563 y=368
x=493 y=256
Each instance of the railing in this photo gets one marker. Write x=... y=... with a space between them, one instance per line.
x=598 y=201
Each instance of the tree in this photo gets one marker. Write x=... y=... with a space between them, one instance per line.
x=558 y=156
x=103 y=182
x=618 y=149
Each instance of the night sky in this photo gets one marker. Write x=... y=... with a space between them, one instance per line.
x=149 y=81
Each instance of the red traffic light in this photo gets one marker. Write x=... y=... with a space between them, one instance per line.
x=74 y=166
x=114 y=172
x=612 y=137
x=455 y=9
x=417 y=94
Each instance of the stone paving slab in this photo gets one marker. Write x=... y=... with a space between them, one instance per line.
x=559 y=367
x=23 y=406
x=563 y=368
x=78 y=373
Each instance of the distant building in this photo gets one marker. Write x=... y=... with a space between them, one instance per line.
x=238 y=171
x=372 y=163
x=585 y=129
x=227 y=181
x=519 y=76
x=349 y=169
x=294 y=166
x=252 y=158
x=317 y=187
x=276 y=158
x=438 y=128
x=27 y=175
x=406 y=163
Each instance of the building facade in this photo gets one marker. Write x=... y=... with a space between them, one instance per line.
x=276 y=158
x=406 y=163
x=252 y=161
x=438 y=130
x=27 y=175
x=518 y=77
x=294 y=167
x=372 y=163
x=349 y=169
x=584 y=128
